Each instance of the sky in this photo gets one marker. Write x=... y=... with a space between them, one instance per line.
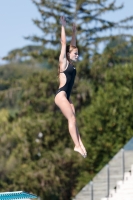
x=16 y=22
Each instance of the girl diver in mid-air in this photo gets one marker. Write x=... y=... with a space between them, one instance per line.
x=67 y=72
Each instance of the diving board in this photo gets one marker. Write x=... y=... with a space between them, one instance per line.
x=16 y=195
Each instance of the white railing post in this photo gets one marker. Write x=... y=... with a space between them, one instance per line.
x=91 y=184
x=108 y=180
x=123 y=163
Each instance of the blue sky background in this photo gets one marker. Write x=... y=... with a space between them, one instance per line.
x=16 y=22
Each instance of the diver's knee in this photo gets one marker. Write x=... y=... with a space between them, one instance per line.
x=72 y=119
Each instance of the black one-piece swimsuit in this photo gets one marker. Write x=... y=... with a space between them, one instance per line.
x=70 y=73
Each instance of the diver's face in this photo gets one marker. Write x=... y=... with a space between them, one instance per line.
x=74 y=55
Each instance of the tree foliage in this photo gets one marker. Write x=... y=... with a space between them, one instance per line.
x=36 y=152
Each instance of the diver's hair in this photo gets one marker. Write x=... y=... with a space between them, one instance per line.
x=69 y=49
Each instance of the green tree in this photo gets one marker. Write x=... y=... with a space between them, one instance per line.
x=35 y=143
x=36 y=153
x=120 y=51
x=12 y=77
x=107 y=122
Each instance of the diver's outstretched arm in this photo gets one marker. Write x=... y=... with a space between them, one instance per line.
x=73 y=40
x=63 y=39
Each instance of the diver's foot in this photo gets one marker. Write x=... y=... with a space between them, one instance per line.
x=82 y=146
x=84 y=149
x=80 y=150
